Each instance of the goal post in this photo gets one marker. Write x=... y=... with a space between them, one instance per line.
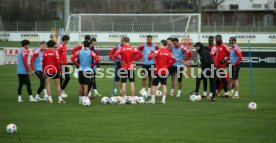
x=108 y=28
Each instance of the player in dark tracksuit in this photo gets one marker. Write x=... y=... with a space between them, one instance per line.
x=206 y=64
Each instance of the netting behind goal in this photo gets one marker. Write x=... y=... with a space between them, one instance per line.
x=108 y=28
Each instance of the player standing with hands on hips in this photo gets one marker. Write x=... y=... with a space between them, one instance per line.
x=127 y=55
x=163 y=60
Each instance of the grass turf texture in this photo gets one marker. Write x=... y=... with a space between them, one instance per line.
x=180 y=120
x=8 y=44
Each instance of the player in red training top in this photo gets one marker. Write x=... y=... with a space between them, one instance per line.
x=117 y=65
x=62 y=51
x=51 y=70
x=127 y=55
x=163 y=60
x=147 y=65
x=170 y=44
x=23 y=71
x=36 y=64
x=222 y=56
x=235 y=59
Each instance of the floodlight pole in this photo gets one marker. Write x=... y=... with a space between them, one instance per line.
x=66 y=11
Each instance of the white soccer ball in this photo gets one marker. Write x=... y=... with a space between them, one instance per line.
x=143 y=93
x=128 y=99
x=134 y=99
x=105 y=100
x=141 y=100
x=193 y=98
x=11 y=128
x=112 y=100
x=85 y=101
x=252 y=106
x=198 y=97
x=119 y=99
x=159 y=93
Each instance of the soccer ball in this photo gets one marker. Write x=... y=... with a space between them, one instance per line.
x=128 y=99
x=140 y=100
x=159 y=93
x=198 y=97
x=11 y=128
x=134 y=99
x=143 y=93
x=85 y=101
x=252 y=106
x=193 y=98
x=105 y=100
x=112 y=100
x=119 y=99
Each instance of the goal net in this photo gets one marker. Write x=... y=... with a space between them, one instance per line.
x=108 y=28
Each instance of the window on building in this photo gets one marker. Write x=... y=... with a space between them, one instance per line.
x=234 y=6
x=257 y=6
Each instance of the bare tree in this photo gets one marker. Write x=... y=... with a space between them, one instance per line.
x=215 y=3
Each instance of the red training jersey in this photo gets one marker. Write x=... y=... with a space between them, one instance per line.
x=62 y=51
x=76 y=49
x=163 y=60
x=222 y=54
x=128 y=56
x=50 y=62
x=213 y=53
x=141 y=47
x=112 y=52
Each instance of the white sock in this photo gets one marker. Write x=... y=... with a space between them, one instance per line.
x=236 y=92
x=37 y=95
x=172 y=90
x=31 y=96
x=89 y=93
x=211 y=94
x=80 y=97
x=153 y=98
x=62 y=91
x=95 y=91
x=179 y=92
x=115 y=90
x=45 y=91
x=60 y=98
x=149 y=89
x=19 y=97
x=204 y=93
x=50 y=98
x=163 y=98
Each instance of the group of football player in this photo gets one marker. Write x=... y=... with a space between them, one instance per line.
x=159 y=61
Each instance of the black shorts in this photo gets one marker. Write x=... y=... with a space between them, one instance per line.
x=157 y=79
x=235 y=72
x=127 y=74
x=24 y=79
x=53 y=75
x=117 y=67
x=147 y=70
x=85 y=77
x=173 y=71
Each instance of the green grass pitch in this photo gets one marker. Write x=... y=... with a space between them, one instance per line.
x=180 y=120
